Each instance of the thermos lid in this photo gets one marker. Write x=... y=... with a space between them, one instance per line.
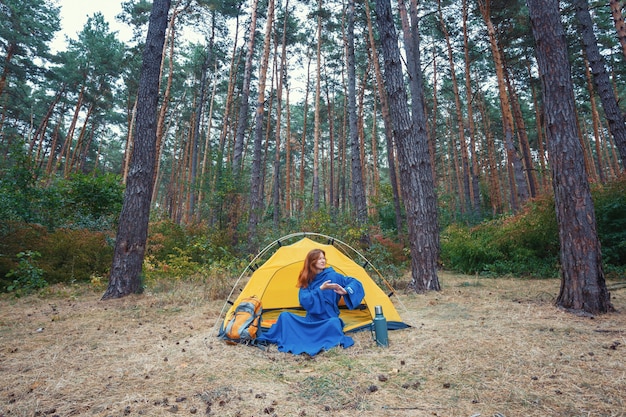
x=378 y=310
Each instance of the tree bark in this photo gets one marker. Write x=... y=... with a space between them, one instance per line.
x=475 y=176
x=316 y=124
x=495 y=189
x=539 y=125
x=391 y=160
x=524 y=146
x=162 y=112
x=612 y=111
x=415 y=169
x=464 y=191
x=517 y=180
x=618 y=18
x=282 y=74
x=256 y=197
x=359 y=205
x=244 y=100
x=66 y=150
x=595 y=120
x=132 y=234
x=300 y=205
x=196 y=134
x=583 y=288
x=207 y=137
x=333 y=195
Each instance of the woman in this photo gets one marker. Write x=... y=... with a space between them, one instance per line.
x=321 y=288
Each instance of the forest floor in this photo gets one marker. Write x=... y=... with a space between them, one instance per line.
x=479 y=347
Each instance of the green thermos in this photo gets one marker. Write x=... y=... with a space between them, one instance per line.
x=380 y=327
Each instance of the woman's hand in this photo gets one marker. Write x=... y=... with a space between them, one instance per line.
x=328 y=285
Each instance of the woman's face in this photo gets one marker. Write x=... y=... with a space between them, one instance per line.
x=320 y=262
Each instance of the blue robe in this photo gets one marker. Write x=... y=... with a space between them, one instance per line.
x=321 y=328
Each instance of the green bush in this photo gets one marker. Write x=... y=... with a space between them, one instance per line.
x=527 y=244
x=92 y=202
x=164 y=239
x=27 y=277
x=82 y=201
x=469 y=251
x=67 y=255
x=610 y=205
x=75 y=255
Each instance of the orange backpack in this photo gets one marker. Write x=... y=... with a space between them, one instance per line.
x=245 y=322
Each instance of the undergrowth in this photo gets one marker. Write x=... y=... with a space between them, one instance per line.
x=527 y=244
x=78 y=245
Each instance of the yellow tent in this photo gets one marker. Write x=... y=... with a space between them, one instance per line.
x=274 y=282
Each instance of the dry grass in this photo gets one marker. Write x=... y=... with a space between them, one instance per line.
x=478 y=347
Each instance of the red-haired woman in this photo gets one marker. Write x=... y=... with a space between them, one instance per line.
x=321 y=289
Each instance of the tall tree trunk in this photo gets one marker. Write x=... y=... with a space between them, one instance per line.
x=495 y=191
x=244 y=97
x=207 y=143
x=196 y=132
x=332 y=189
x=475 y=175
x=41 y=130
x=282 y=74
x=595 y=119
x=69 y=137
x=517 y=179
x=618 y=18
x=288 y=157
x=132 y=233
x=540 y=126
x=128 y=150
x=375 y=179
x=359 y=205
x=524 y=146
x=464 y=192
x=342 y=149
x=612 y=111
x=317 y=122
x=72 y=164
x=53 y=147
x=300 y=205
x=160 y=128
x=256 y=198
x=226 y=123
x=411 y=42
x=83 y=156
x=453 y=155
x=583 y=288
x=391 y=160
x=412 y=142
x=361 y=127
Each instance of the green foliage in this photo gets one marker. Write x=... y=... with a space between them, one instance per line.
x=527 y=244
x=27 y=277
x=82 y=201
x=523 y=245
x=67 y=255
x=193 y=253
x=385 y=209
x=75 y=255
x=610 y=206
x=92 y=202
x=18 y=189
x=389 y=257
x=467 y=250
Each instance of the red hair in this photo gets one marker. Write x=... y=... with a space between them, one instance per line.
x=308 y=271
